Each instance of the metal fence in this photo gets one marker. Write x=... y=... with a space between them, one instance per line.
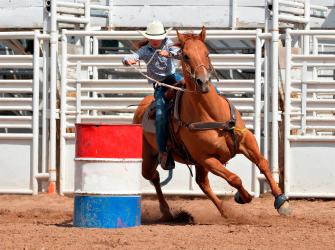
x=19 y=118
x=309 y=119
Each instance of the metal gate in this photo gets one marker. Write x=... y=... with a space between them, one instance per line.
x=309 y=117
x=19 y=118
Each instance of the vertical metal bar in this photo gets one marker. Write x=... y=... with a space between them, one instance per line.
x=315 y=52
x=304 y=68
x=274 y=90
x=257 y=105
x=53 y=96
x=95 y=69
x=87 y=27
x=87 y=40
x=36 y=84
x=78 y=92
x=63 y=109
x=45 y=86
x=315 y=70
x=267 y=77
x=266 y=84
x=233 y=14
x=287 y=114
x=45 y=100
x=110 y=14
x=303 y=97
x=307 y=15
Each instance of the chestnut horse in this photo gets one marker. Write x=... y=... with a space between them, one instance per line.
x=210 y=149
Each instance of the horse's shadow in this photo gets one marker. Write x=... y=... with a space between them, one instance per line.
x=179 y=218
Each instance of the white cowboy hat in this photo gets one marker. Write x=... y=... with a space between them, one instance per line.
x=155 y=30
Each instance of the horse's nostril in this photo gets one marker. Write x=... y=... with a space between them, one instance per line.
x=199 y=81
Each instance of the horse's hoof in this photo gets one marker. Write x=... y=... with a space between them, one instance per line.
x=284 y=209
x=279 y=201
x=282 y=206
x=238 y=199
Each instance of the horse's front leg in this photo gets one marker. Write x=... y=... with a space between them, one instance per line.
x=149 y=172
x=216 y=167
x=203 y=182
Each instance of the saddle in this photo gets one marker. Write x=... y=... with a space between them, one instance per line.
x=148 y=123
x=175 y=145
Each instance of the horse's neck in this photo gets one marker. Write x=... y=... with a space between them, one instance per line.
x=203 y=107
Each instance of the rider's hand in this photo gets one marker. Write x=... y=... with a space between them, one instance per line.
x=129 y=62
x=164 y=53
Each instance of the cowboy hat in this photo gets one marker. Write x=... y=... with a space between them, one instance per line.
x=155 y=30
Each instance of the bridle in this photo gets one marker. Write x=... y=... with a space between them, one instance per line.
x=210 y=69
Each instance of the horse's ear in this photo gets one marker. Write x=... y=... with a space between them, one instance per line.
x=181 y=38
x=202 y=34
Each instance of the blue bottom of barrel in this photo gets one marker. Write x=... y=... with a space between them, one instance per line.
x=107 y=211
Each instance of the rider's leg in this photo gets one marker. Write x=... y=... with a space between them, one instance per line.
x=161 y=124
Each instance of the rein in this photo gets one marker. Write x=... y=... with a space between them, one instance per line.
x=161 y=83
x=188 y=68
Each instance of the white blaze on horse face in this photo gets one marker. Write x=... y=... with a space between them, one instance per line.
x=201 y=70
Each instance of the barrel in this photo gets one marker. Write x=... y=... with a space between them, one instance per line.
x=108 y=162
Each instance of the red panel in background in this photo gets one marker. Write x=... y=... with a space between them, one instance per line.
x=108 y=141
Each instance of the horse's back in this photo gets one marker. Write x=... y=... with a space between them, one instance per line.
x=142 y=106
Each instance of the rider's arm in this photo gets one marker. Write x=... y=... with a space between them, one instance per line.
x=174 y=51
x=133 y=58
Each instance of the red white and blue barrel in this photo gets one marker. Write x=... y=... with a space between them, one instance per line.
x=108 y=176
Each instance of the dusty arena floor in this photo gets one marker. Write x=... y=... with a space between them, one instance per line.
x=45 y=222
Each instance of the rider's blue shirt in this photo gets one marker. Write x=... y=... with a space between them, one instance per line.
x=158 y=67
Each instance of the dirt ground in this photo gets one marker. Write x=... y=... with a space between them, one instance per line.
x=45 y=222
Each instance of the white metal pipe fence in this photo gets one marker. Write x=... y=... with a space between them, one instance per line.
x=309 y=122
x=20 y=129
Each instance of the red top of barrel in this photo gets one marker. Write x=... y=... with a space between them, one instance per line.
x=108 y=141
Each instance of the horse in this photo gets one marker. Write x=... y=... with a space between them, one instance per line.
x=210 y=149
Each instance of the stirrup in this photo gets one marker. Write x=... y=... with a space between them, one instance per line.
x=166 y=161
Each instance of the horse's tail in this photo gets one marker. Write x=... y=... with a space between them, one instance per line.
x=142 y=106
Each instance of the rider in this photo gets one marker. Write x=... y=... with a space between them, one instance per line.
x=158 y=54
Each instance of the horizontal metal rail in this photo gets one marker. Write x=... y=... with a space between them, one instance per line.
x=16 y=122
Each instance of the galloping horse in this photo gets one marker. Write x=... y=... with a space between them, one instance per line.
x=210 y=149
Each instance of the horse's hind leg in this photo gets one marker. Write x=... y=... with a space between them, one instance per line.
x=149 y=172
x=250 y=149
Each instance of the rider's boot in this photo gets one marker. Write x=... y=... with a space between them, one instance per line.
x=166 y=161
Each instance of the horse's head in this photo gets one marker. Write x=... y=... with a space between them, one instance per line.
x=195 y=59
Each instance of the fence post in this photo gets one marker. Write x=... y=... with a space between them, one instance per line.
x=63 y=111
x=274 y=90
x=36 y=83
x=287 y=114
x=53 y=97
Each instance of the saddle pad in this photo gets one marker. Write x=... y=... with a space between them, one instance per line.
x=149 y=124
